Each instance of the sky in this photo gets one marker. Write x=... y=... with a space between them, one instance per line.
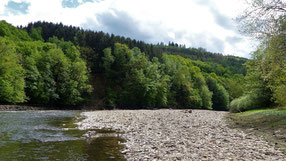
x=208 y=24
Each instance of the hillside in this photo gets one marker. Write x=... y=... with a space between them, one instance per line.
x=60 y=64
x=98 y=41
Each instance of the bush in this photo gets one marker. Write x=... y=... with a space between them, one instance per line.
x=280 y=95
x=244 y=103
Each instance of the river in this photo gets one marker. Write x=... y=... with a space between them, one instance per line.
x=51 y=135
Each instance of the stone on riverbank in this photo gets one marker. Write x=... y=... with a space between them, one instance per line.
x=180 y=135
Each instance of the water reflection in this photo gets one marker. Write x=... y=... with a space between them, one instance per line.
x=50 y=135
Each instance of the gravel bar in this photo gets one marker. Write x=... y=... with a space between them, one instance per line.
x=180 y=135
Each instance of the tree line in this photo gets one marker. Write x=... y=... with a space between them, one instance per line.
x=95 y=42
x=40 y=72
x=53 y=64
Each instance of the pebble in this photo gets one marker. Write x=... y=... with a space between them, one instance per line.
x=180 y=135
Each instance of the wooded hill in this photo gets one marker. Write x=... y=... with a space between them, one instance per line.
x=66 y=65
x=98 y=41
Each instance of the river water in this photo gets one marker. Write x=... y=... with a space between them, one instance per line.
x=51 y=135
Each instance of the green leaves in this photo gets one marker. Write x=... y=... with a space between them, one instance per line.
x=133 y=79
x=7 y=30
x=11 y=74
x=220 y=98
x=206 y=96
x=55 y=77
x=55 y=73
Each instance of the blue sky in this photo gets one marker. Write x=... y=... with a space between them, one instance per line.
x=197 y=23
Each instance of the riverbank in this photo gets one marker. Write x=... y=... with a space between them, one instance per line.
x=20 y=108
x=180 y=135
x=44 y=107
x=269 y=123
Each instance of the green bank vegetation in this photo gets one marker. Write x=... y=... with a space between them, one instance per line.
x=266 y=71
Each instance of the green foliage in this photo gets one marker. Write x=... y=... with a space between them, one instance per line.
x=220 y=96
x=280 y=94
x=36 y=34
x=135 y=75
x=234 y=85
x=7 y=30
x=244 y=103
x=266 y=73
x=54 y=78
x=67 y=47
x=186 y=88
x=272 y=62
x=11 y=74
x=90 y=57
x=208 y=62
x=98 y=41
x=206 y=96
x=133 y=79
x=53 y=72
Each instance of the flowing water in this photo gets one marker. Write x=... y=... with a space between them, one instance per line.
x=51 y=135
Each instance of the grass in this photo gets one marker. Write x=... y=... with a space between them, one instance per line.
x=269 y=123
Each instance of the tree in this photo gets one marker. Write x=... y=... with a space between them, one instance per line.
x=267 y=20
x=184 y=91
x=55 y=73
x=220 y=98
x=134 y=81
x=36 y=33
x=271 y=63
x=266 y=73
x=12 y=32
x=11 y=74
x=261 y=18
x=206 y=96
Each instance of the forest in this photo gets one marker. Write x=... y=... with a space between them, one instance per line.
x=53 y=64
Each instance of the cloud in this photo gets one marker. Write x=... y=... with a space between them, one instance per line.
x=208 y=41
x=222 y=20
x=195 y=23
x=121 y=23
x=234 y=39
x=17 y=8
x=70 y=3
x=75 y=3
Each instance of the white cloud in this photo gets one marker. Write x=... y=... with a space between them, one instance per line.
x=196 y=23
x=3 y=3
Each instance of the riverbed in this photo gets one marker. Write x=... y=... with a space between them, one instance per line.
x=181 y=135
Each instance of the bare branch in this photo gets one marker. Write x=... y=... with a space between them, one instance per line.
x=262 y=18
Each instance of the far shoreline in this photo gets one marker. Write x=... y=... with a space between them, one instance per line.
x=27 y=107
x=37 y=107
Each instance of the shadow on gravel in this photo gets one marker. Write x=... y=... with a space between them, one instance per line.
x=271 y=124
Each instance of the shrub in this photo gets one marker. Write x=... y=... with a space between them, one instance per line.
x=246 y=102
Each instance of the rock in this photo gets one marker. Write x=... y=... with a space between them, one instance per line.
x=188 y=111
x=173 y=135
